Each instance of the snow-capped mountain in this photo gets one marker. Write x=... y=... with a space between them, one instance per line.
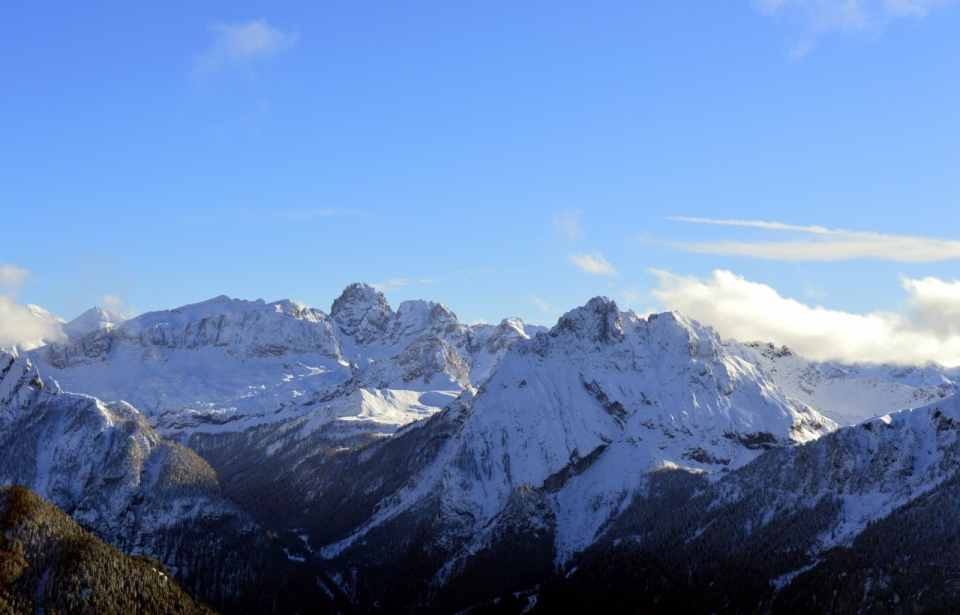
x=38 y=327
x=400 y=454
x=227 y=364
x=850 y=394
x=92 y=320
x=566 y=412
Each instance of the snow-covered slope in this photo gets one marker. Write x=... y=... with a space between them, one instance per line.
x=873 y=467
x=406 y=429
x=861 y=520
x=102 y=462
x=227 y=365
x=849 y=394
x=92 y=320
x=35 y=328
x=580 y=414
x=109 y=470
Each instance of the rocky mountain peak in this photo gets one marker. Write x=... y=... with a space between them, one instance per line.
x=598 y=321
x=361 y=311
x=93 y=319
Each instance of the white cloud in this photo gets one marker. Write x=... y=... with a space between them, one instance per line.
x=569 y=224
x=473 y=272
x=390 y=285
x=117 y=305
x=928 y=330
x=22 y=325
x=823 y=244
x=270 y=216
x=815 y=17
x=774 y=226
x=809 y=290
x=398 y=283
x=540 y=303
x=11 y=275
x=640 y=302
x=593 y=263
x=237 y=46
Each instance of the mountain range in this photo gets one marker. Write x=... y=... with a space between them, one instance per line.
x=278 y=458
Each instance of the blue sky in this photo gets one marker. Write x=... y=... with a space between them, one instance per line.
x=507 y=159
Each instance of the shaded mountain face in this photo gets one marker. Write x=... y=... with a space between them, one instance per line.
x=102 y=462
x=48 y=563
x=105 y=466
x=861 y=520
x=401 y=461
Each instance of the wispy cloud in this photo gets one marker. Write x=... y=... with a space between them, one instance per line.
x=398 y=283
x=12 y=276
x=809 y=290
x=271 y=216
x=593 y=263
x=641 y=302
x=391 y=284
x=928 y=330
x=540 y=303
x=118 y=305
x=22 y=325
x=568 y=223
x=473 y=271
x=813 y=18
x=774 y=226
x=823 y=244
x=236 y=47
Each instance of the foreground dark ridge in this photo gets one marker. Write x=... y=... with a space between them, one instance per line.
x=49 y=564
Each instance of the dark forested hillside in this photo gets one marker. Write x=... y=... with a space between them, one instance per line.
x=908 y=562
x=49 y=564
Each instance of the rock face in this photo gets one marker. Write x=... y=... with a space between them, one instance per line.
x=401 y=458
x=361 y=313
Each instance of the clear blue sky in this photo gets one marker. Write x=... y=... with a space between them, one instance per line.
x=164 y=153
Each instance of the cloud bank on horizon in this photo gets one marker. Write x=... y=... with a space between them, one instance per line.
x=822 y=244
x=927 y=330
